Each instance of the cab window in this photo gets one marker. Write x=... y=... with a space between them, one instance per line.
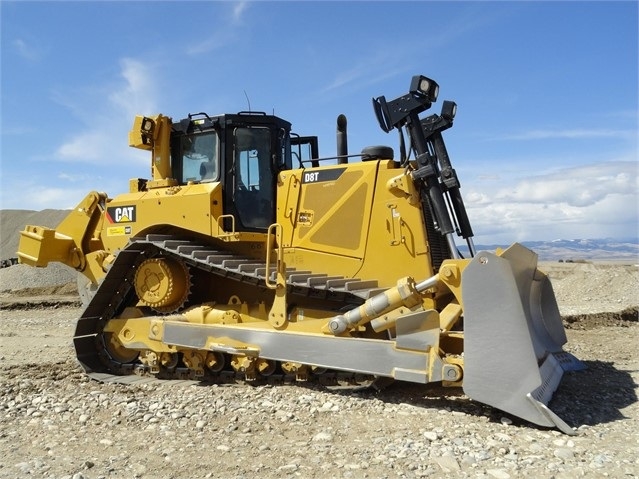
x=198 y=158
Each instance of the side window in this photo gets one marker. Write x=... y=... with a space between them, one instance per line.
x=199 y=157
x=286 y=161
x=253 y=192
x=248 y=170
x=305 y=149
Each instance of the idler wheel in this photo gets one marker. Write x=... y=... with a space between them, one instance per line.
x=117 y=351
x=163 y=284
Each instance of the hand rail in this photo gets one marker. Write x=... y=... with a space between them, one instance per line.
x=269 y=248
x=219 y=225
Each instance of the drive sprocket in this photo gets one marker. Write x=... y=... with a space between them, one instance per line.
x=162 y=284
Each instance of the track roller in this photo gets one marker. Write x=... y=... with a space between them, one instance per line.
x=194 y=361
x=214 y=361
x=300 y=371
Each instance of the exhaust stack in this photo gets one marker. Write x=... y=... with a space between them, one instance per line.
x=342 y=140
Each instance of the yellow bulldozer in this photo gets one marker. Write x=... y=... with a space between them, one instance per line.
x=246 y=255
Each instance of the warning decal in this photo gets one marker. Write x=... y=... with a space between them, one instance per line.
x=118 y=230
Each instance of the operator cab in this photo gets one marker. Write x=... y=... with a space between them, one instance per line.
x=244 y=151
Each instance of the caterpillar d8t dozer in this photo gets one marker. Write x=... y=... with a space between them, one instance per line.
x=246 y=255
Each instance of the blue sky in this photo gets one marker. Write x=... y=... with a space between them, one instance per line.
x=544 y=142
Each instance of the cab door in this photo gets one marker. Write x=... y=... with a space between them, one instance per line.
x=251 y=180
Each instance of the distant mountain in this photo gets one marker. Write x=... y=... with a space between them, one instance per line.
x=576 y=249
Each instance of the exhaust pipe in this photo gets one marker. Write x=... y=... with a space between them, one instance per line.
x=342 y=140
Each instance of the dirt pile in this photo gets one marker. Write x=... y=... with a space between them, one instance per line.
x=594 y=287
x=14 y=221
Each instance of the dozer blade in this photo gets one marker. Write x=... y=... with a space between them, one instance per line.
x=513 y=336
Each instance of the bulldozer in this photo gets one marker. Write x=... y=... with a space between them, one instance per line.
x=247 y=256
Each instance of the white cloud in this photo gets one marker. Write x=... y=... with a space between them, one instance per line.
x=61 y=190
x=138 y=94
x=360 y=72
x=238 y=10
x=14 y=130
x=214 y=41
x=395 y=60
x=97 y=155
x=579 y=186
x=26 y=50
x=590 y=201
x=63 y=198
x=47 y=197
x=224 y=32
x=570 y=134
x=108 y=117
x=74 y=177
x=88 y=147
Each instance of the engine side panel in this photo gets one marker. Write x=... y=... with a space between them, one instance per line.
x=333 y=218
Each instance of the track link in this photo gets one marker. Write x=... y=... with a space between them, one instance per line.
x=116 y=290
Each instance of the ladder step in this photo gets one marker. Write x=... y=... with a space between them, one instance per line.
x=287 y=272
x=261 y=271
x=339 y=283
x=250 y=268
x=203 y=254
x=188 y=250
x=357 y=285
x=154 y=238
x=304 y=277
x=321 y=281
x=175 y=244
x=298 y=276
x=218 y=259
x=233 y=263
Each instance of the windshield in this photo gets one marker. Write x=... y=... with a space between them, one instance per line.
x=198 y=158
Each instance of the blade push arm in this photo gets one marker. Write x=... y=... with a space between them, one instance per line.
x=433 y=126
x=75 y=241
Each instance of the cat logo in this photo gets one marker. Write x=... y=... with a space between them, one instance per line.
x=121 y=214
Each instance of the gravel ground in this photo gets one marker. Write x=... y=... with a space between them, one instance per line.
x=55 y=423
x=21 y=276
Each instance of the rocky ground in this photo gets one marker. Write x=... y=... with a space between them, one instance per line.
x=55 y=423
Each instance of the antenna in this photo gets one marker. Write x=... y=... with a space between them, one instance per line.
x=247 y=100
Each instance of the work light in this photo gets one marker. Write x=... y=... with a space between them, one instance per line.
x=424 y=87
x=147 y=125
x=449 y=110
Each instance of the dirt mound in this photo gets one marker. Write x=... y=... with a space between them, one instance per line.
x=22 y=277
x=68 y=289
x=13 y=221
x=594 y=287
x=624 y=319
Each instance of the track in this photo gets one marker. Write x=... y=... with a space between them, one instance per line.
x=116 y=291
